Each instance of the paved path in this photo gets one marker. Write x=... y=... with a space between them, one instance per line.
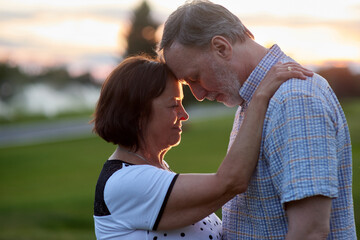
x=32 y=133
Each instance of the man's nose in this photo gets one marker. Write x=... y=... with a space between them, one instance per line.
x=198 y=92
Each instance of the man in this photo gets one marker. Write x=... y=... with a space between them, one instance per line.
x=302 y=186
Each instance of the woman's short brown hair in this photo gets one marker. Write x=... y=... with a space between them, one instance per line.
x=125 y=101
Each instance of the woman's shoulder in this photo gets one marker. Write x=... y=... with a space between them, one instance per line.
x=136 y=180
x=138 y=171
x=122 y=169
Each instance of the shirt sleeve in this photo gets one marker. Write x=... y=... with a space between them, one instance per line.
x=137 y=195
x=301 y=148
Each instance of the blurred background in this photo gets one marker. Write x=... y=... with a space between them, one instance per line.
x=54 y=56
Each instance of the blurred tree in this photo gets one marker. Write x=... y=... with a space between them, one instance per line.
x=59 y=77
x=85 y=78
x=342 y=81
x=141 y=38
x=11 y=80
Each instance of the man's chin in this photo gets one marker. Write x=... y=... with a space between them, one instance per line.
x=228 y=102
x=230 y=105
x=231 y=101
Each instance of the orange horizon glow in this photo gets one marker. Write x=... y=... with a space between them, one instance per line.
x=84 y=36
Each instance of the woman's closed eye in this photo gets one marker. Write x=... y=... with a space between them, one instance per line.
x=174 y=104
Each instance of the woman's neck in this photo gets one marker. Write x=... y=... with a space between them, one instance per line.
x=141 y=156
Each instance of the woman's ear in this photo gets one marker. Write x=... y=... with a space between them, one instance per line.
x=222 y=47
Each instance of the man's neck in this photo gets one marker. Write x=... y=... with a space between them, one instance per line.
x=249 y=53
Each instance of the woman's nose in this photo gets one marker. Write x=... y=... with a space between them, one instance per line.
x=183 y=115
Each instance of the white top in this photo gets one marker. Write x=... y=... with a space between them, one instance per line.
x=135 y=196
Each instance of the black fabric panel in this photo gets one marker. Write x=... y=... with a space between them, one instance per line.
x=110 y=166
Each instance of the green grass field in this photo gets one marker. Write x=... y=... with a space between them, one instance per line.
x=47 y=190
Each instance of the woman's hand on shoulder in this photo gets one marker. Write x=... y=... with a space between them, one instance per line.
x=277 y=75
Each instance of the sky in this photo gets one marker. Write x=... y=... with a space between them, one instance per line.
x=90 y=35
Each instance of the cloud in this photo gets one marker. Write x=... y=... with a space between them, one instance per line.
x=6 y=15
x=10 y=44
x=99 y=65
x=114 y=13
x=356 y=9
x=346 y=28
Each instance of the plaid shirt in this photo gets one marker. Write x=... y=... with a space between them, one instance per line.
x=305 y=151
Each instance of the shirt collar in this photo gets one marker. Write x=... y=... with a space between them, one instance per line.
x=248 y=88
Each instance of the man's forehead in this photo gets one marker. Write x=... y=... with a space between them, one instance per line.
x=181 y=60
x=179 y=51
x=174 y=52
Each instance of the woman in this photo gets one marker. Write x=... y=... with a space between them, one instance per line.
x=137 y=195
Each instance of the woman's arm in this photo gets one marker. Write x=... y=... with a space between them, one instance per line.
x=195 y=196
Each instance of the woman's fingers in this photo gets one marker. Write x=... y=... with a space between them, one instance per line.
x=280 y=73
x=295 y=67
x=289 y=70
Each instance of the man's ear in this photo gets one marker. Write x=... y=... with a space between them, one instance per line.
x=222 y=47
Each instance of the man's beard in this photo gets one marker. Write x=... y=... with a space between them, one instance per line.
x=230 y=85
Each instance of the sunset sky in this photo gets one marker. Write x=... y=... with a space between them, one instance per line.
x=89 y=35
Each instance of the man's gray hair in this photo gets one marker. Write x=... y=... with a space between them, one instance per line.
x=196 y=22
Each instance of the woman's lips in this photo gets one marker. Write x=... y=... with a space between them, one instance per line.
x=178 y=128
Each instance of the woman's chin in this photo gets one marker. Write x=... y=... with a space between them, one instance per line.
x=175 y=142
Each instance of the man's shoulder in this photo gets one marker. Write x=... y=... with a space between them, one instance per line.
x=315 y=86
